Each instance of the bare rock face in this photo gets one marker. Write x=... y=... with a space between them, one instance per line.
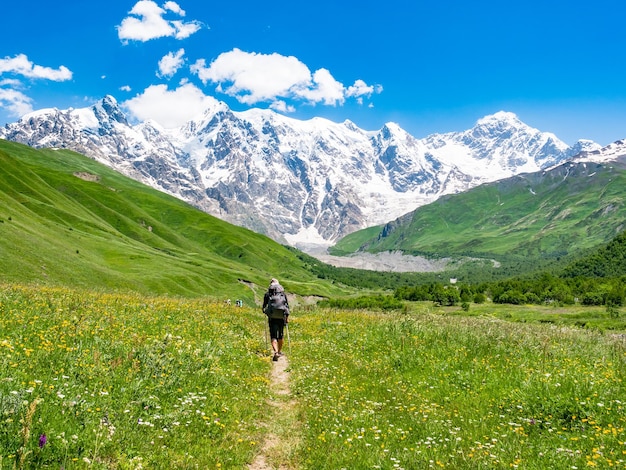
x=299 y=182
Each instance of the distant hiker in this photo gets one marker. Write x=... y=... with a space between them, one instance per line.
x=276 y=307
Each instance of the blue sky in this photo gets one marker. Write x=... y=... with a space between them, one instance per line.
x=429 y=66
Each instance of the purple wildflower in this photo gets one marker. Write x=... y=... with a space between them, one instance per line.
x=42 y=440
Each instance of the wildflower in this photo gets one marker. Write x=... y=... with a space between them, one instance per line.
x=42 y=440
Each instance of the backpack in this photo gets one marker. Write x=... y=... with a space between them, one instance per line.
x=277 y=305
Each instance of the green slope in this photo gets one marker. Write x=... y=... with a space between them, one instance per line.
x=68 y=220
x=532 y=218
x=607 y=261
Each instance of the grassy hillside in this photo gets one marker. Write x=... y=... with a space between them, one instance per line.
x=531 y=218
x=606 y=261
x=68 y=220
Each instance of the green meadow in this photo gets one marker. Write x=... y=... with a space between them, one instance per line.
x=526 y=223
x=103 y=380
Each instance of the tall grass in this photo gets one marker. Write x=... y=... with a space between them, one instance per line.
x=123 y=381
x=116 y=381
x=424 y=391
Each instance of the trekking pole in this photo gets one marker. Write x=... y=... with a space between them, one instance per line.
x=288 y=340
x=265 y=326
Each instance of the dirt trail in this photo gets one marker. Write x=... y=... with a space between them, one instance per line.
x=283 y=429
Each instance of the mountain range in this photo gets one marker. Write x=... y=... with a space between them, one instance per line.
x=304 y=183
x=519 y=223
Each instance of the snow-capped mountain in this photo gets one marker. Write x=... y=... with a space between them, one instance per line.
x=612 y=152
x=303 y=182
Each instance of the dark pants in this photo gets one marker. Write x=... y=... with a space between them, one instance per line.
x=277 y=326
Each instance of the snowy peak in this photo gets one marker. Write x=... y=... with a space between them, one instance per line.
x=501 y=119
x=107 y=112
x=505 y=126
x=496 y=147
x=594 y=153
x=300 y=182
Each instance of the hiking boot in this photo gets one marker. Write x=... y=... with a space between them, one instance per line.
x=276 y=356
x=280 y=354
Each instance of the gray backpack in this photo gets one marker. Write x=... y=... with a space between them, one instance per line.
x=277 y=305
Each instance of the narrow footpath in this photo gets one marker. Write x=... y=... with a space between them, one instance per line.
x=282 y=437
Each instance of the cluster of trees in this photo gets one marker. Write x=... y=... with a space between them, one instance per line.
x=548 y=289
x=596 y=279
x=440 y=294
x=384 y=302
x=607 y=262
x=543 y=289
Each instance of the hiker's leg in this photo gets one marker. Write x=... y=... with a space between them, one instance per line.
x=276 y=345
x=274 y=334
x=281 y=333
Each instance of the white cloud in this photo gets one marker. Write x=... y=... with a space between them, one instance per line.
x=323 y=89
x=11 y=82
x=281 y=106
x=253 y=78
x=11 y=97
x=16 y=102
x=20 y=65
x=184 y=30
x=174 y=7
x=170 y=63
x=147 y=23
x=360 y=88
x=125 y=88
x=170 y=108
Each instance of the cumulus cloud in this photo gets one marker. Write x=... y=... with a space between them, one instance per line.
x=20 y=65
x=175 y=8
x=170 y=63
x=359 y=88
x=10 y=82
x=170 y=108
x=147 y=22
x=281 y=106
x=323 y=88
x=12 y=98
x=16 y=102
x=253 y=78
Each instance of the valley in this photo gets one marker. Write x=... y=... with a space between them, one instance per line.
x=120 y=349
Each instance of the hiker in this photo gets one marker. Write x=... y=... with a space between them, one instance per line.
x=276 y=307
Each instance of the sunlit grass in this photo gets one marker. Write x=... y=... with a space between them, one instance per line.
x=122 y=381
x=433 y=391
x=579 y=316
x=102 y=380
